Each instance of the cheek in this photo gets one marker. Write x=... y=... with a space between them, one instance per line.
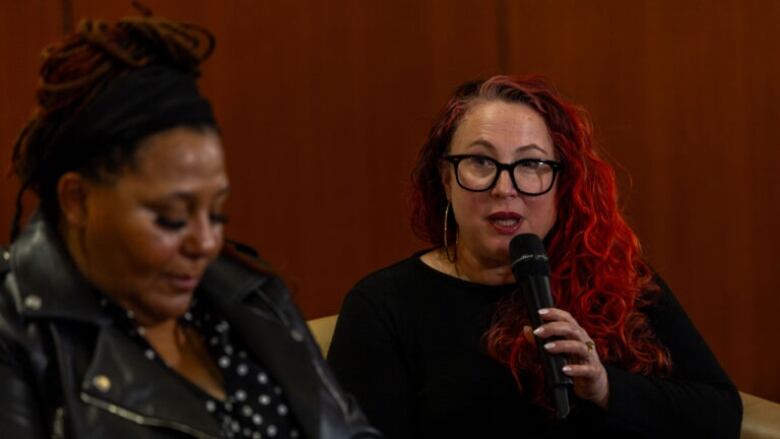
x=147 y=249
x=153 y=248
x=470 y=208
x=542 y=214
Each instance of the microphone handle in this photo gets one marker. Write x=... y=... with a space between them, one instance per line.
x=536 y=293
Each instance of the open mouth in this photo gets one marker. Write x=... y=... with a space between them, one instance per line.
x=505 y=222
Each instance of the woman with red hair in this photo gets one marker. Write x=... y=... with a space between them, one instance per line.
x=440 y=344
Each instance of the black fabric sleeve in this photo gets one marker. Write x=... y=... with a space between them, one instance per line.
x=20 y=414
x=697 y=400
x=366 y=358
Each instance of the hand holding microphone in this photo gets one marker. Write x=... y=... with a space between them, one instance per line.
x=568 y=353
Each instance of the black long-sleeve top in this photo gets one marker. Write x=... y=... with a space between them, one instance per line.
x=409 y=345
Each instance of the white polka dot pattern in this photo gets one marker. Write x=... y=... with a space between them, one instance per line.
x=261 y=409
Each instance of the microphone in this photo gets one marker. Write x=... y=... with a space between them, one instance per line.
x=532 y=273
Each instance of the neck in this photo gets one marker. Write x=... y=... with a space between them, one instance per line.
x=168 y=339
x=488 y=272
x=469 y=267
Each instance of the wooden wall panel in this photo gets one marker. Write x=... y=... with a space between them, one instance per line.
x=685 y=100
x=323 y=106
x=27 y=27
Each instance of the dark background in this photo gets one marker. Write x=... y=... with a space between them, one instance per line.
x=324 y=104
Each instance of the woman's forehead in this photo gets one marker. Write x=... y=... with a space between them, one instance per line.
x=180 y=160
x=499 y=125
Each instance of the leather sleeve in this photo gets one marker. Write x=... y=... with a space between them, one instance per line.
x=20 y=410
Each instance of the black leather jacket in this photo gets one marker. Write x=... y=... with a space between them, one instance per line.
x=66 y=371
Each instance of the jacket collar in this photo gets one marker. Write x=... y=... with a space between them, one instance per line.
x=49 y=285
x=262 y=313
x=255 y=303
x=121 y=380
x=118 y=378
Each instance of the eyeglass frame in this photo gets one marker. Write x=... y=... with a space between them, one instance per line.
x=455 y=159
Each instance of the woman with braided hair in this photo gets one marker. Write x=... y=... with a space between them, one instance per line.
x=440 y=344
x=122 y=314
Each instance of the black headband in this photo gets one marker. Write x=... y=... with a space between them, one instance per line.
x=136 y=105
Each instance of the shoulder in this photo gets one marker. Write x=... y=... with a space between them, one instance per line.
x=668 y=318
x=8 y=310
x=13 y=336
x=401 y=272
x=5 y=268
x=237 y=273
x=400 y=281
x=384 y=290
x=658 y=299
x=239 y=264
x=5 y=261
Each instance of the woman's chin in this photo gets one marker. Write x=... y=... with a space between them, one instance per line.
x=496 y=255
x=161 y=309
x=499 y=248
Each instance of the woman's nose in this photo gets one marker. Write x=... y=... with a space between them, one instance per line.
x=204 y=238
x=504 y=186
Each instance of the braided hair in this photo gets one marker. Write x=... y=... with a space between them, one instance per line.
x=74 y=74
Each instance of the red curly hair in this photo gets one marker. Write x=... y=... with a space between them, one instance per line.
x=598 y=274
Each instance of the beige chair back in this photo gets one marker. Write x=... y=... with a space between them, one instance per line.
x=322 y=330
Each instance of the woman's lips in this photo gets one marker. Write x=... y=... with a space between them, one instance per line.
x=505 y=223
x=183 y=282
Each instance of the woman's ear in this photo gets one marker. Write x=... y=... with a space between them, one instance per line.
x=72 y=192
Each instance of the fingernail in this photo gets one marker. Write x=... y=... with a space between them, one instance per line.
x=549 y=345
x=566 y=368
x=544 y=311
x=538 y=330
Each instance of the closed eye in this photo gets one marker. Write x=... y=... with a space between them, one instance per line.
x=170 y=223
x=176 y=224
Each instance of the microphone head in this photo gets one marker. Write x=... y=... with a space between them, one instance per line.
x=528 y=256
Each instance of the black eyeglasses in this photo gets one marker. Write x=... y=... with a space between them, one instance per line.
x=479 y=173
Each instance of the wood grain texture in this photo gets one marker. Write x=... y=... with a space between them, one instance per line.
x=685 y=101
x=324 y=104
x=27 y=27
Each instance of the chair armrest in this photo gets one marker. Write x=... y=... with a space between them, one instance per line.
x=760 y=419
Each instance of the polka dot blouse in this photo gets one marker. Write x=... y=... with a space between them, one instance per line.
x=255 y=406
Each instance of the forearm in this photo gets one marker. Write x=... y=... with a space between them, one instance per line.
x=655 y=407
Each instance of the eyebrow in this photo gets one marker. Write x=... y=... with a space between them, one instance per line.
x=490 y=146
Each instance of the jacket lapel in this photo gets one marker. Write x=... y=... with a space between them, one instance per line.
x=257 y=305
x=271 y=337
x=49 y=285
x=121 y=378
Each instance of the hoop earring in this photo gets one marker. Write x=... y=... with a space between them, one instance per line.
x=454 y=257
